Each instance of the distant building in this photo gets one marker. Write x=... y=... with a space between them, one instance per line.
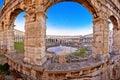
x=52 y=40
x=18 y=35
x=87 y=38
x=110 y=40
x=87 y=41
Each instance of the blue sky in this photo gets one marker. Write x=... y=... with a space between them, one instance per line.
x=69 y=18
x=1 y=3
x=20 y=22
x=64 y=18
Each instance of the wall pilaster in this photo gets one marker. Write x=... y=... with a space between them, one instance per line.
x=101 y=36
x=10 y=39
x=116 y=40
x=35 y=34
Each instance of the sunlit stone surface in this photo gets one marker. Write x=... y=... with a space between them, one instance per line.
x=37 y=66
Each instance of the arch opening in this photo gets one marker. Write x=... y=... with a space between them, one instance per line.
x=110 y=35
x=57 y=37
x=113 y=28
x=17 y=23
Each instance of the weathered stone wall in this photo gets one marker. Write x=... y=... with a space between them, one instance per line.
x=35 y=34
x=102 y=70
x=36 y=18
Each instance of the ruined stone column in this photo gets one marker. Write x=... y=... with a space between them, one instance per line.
x=35 y=34
x=10 y=39
x=116 y=40
x=1 y=38
x=101 y=37
x=5 y=36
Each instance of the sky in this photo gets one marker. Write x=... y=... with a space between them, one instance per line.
x=64 y=18
x=1 y=3
x=69 y=18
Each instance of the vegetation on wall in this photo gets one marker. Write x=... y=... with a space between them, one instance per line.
x=4 y=69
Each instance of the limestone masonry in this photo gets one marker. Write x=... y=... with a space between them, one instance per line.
x=102 y=65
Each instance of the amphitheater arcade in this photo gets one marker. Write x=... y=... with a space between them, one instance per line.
x=33 y=65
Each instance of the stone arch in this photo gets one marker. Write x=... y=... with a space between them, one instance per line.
x=11 y=16
x=116 y=33
x=14 y=14
x=114 y=22
x=96 y=14
x=92 y=9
